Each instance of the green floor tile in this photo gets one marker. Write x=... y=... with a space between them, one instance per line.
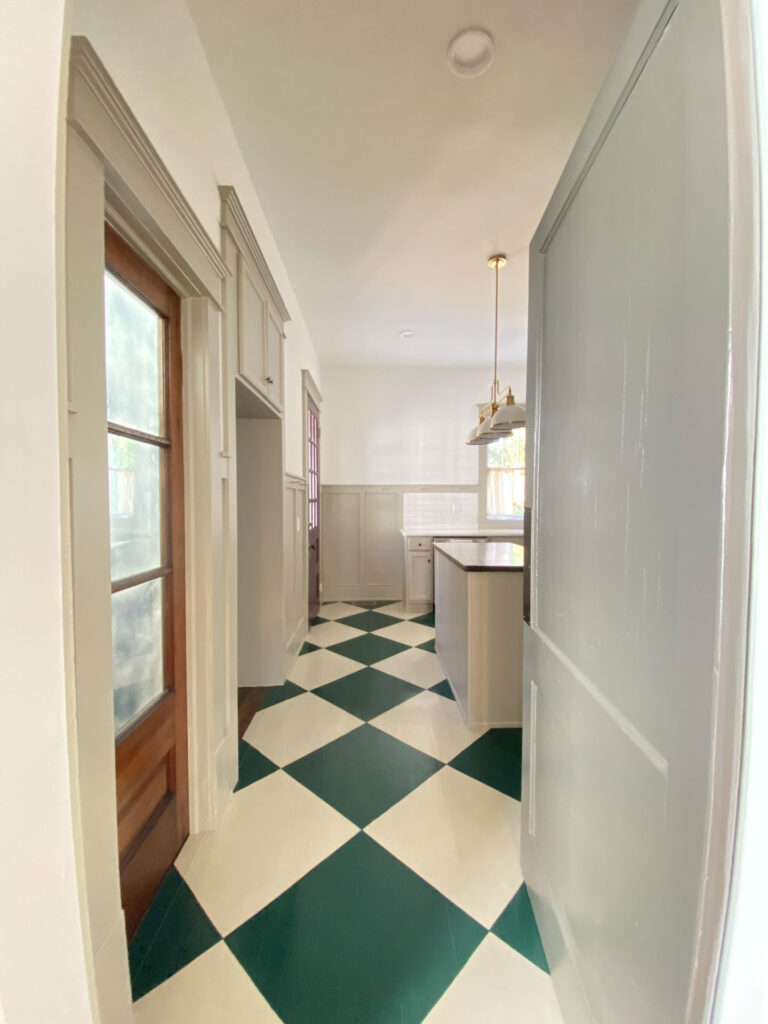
x=368 y=649
x=316 y=620
x=173 y=932
x=360 y=939
x=444 y=689
x=307 y=648
x=363 y=773
x=277 y=694
x=517 y=927
x=425 y=620
x=496 y=759
x=428 y=645
x=370 y=621
x=367 y=693
x=252 y=765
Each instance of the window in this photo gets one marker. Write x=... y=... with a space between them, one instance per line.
x=505 y=476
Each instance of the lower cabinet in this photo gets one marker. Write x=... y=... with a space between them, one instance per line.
x=419 y=579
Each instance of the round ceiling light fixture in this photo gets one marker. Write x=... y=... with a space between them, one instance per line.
x=471 y=53
x=408 y=333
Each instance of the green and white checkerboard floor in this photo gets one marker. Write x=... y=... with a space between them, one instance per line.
x=367 y=869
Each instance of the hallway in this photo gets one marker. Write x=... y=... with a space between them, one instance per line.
x=367 y=869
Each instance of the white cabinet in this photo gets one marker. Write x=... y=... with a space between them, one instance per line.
x=274 y=358
x=419 y=586
x=259 y=334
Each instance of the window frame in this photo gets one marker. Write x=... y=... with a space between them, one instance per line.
x=484 y=520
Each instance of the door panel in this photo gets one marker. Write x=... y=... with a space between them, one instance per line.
x=313 y=505
x=252 y=324
x=146 y=492
x=275 y=360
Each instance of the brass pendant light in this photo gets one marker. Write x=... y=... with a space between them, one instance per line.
x=497 y=419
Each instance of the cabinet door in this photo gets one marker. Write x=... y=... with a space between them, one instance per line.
x=420 y=583
x=252 y=328
x=274 y=375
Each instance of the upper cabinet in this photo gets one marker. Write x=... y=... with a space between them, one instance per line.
x=254 y=309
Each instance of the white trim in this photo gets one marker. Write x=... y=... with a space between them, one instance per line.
x=741 y=986
x=137 y=179
x=116 y=174
x=309 y=385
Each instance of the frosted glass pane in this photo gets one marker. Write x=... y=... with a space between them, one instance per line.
x=134 y=506
x=137 y=650
x=134 y=336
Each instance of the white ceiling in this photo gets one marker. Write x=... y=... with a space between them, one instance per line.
x=386 y=180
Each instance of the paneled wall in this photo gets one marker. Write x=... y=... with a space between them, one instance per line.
x=361 y=551
x=295 y=564
x=361 y=544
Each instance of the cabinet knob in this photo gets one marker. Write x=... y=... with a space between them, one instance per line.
x=270 y=381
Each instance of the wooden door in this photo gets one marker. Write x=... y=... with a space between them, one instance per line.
x=313 y=505
x=146 y=502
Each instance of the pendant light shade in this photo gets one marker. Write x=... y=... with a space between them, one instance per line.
x=508 y=416
x=475 y=437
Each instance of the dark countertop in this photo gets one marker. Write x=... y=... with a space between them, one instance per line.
x=484 y=556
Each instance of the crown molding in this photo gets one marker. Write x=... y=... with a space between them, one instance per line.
x=98 y=111
x=233 y=214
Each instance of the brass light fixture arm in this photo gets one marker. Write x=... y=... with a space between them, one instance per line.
x=496 y=261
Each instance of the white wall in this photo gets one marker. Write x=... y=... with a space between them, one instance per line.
x=151 y=49
x=404 y=425
x=43 y=975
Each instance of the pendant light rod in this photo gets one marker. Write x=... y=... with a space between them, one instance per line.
x=496 y=261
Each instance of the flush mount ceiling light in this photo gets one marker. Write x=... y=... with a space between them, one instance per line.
x=407 y=333
x=471 y=53
x=497 y=419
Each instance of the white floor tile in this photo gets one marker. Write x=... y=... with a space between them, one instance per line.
x=498 y=986
x=214 y=987
x=320 y=667
x=461 y=836
x=431 y=723
x=272 y=833
x=338 y=610
x=398 y=610
x=295 y=727
x=418 y=667
x=412 y=633
x=328 y=633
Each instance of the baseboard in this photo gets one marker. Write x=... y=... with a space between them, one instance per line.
x=362 y=592
x=295 y=641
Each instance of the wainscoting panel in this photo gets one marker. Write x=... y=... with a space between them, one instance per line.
x=361 y=556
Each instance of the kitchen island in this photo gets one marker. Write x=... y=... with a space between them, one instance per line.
x=479 y=627
x=419 y=574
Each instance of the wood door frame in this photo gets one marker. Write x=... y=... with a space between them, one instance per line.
x=309 y=389
x=125 y=264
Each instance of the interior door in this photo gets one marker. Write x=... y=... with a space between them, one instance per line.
x=146 y=504
x=313 y=505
